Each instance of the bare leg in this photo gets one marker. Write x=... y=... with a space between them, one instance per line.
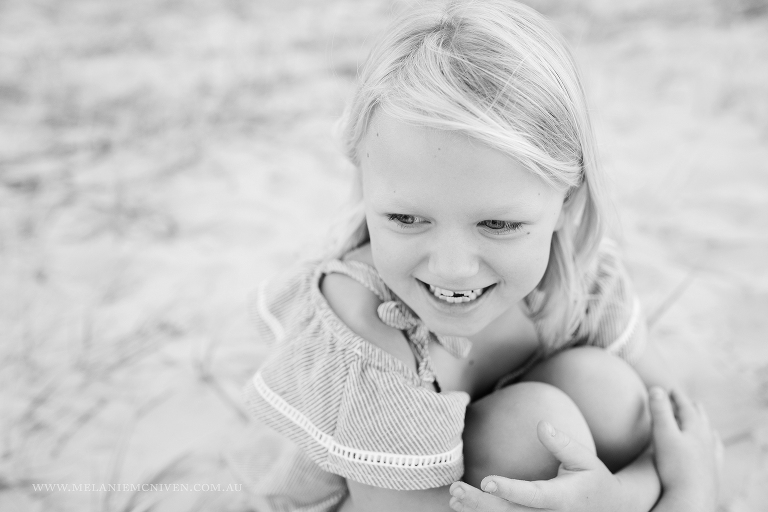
x=593 y=396
x=500 y=432
x=609 y=394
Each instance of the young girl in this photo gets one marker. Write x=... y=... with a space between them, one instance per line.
x=472 y=297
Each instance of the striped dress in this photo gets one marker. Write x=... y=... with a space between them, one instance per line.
x=345 y=409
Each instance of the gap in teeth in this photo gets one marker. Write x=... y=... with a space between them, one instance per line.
x=455 y=297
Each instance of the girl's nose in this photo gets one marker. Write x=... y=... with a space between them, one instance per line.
x=453 y=259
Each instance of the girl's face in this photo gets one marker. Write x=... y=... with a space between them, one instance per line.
x=459 y=231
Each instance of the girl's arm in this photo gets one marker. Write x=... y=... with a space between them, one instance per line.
x=688 y=457
x=683 y=460
x=689 y=445
x=689 y=454
x=583 y=483
x=366 y=498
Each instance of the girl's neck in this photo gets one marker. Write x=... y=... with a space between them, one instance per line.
x=501 y=330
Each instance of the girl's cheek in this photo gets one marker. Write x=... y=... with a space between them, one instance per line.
x=539 y=259
x=389 y=251
x=526 y=263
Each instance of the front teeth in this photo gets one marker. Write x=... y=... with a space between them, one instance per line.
x=455 y=297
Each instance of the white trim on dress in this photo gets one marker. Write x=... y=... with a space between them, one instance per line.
x=345 y=452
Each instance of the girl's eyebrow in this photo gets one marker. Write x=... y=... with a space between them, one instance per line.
x=518 y=208
x=522 y=210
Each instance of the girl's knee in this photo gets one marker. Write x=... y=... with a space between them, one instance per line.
x=500 y=432
x=610 y=395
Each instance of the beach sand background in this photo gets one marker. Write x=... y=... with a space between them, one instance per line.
x=158 y=159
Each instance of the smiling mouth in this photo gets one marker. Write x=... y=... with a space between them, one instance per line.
x=456 y=297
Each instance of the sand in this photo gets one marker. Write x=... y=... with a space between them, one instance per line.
x=158 y=159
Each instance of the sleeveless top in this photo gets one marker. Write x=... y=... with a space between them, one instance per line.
x=345 y=408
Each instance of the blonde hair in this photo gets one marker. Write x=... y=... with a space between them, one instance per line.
x=496 y=71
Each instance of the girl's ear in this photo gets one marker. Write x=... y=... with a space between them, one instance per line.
x=572 y=198
x=565 y=210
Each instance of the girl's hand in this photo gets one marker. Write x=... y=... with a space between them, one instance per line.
x=583 y=483
x=687 y=451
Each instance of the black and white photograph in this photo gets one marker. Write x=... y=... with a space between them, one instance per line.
x=383 y=255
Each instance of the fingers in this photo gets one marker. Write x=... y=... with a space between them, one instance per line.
x=664 y=422
x=687 y=414
x=529 y=494
x=570 y=453
x=465 y=498
x=504 y=494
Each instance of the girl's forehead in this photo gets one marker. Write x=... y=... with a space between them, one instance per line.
x=384 y=128
x=420 y=166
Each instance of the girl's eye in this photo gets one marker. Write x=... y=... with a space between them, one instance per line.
x=405 y=221
x=501 y=227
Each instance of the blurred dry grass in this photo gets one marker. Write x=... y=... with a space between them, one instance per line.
x=159 y=158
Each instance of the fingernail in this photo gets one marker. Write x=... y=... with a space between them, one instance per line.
x=455 y=505
x=490 y=486
x=457 y=492
x=550 y=429
x=657 y=393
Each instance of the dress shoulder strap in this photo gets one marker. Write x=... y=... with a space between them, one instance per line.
x=396 y=314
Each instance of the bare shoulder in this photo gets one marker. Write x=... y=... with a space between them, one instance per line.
x=356 y=306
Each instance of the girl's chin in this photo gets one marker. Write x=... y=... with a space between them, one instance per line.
x=464 y=328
